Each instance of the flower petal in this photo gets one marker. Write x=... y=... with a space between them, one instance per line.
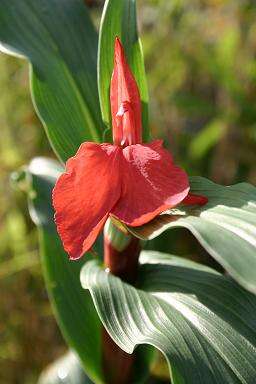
x=192 y=199
x=84 y=195
x=151 y=183
x=125 y=101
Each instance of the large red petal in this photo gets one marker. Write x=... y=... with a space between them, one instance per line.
x=151 y=183
x=125 y=101
x=192 y=199
x=84 y=195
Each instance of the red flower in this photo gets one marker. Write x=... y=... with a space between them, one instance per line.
x=128 y=180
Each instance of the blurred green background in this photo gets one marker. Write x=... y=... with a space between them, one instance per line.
x=201 y=67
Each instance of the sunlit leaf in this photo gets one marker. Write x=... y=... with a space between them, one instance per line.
x=225 y=227
x=203 y=322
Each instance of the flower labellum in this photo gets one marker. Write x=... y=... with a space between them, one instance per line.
x=128 y=180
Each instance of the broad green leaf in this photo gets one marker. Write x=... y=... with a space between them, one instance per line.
x=225 y=227
x=176 y=377
x=203 y=322
x=73 y=306
x=65 y=370
x=59 y=40
x=119 y=19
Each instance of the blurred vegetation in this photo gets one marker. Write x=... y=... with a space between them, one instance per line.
x=201 y=67
x=200 y=61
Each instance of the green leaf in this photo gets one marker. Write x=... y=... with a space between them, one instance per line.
x=119 y=19
x=59 y=40
x=73 y=307
x=65 y=370
x=225 y=227
x=203 y=322
x=176 y=378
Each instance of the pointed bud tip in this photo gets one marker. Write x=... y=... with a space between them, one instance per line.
x=118 y=43
x=117 y=40
x=124 y=97
x=119 y=50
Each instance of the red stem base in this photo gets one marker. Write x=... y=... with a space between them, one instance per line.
x=123 y=264
x=117 y=364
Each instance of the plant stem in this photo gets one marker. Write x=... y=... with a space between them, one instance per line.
x=121 y=254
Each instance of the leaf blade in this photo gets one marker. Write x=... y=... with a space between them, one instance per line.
x=53 y=36
x=225 y=227
x=201 y=336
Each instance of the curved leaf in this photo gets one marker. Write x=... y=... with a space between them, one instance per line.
x=225 y=227
x=119 y=19
x=65 y=370
x=59 y=40
x=202 y=321
x=73 y=307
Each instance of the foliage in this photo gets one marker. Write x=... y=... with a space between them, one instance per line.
x=196 y=317
x=201 y=67
x=225 y=226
